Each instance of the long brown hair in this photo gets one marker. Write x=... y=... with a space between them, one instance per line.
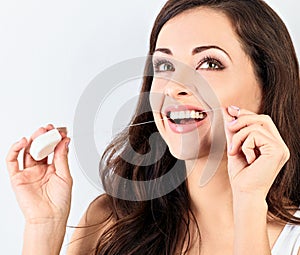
x=161 y=225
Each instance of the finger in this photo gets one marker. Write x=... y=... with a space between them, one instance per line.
x=49 y=127
x=231 y=115
x=233 y=111
x=258 y=144
x=248 y=148
x=63 y=131
x=28 y=160
x=60 y=159
x=239 y=138
x=12 y=156
x=236 y=112
x=247 y=120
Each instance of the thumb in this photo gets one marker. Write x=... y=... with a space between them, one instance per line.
x=60 y=159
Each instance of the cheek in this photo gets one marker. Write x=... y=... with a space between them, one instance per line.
x=246 y=96
x=223 y=89
x=236 y=89
x=158 y=85
x=156 y=96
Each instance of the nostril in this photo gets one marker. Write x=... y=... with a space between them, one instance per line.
x=182 y=93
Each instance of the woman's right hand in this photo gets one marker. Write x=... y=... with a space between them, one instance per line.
x=43 y=190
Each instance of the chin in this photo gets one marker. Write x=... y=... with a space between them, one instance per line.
x=188 y=152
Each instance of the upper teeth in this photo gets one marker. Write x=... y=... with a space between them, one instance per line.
x=187 y=115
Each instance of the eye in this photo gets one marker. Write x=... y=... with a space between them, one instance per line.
x=162 y=65
x=209 y=63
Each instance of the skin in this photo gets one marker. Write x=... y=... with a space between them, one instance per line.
x=231 y=209
x=242 y=181
x=43 y=192
x=234 y=85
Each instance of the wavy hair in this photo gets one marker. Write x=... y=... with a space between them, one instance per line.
x=162 y=225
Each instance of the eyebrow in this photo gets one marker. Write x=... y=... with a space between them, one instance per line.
x=194 y=51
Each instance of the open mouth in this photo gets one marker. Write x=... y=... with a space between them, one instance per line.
x=186 y=117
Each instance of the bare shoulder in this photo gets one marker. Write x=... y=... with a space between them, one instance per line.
x=98 y=211
x=96 y=219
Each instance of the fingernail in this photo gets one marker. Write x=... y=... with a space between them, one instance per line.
x=234 y=108
x=62 y=129
x=230 y=147
x=67 y=145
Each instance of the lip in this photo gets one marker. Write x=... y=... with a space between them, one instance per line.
x=186 y=128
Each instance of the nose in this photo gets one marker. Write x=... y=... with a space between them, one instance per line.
x=176 y=90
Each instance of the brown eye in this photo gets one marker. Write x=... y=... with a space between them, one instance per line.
x=210 y=64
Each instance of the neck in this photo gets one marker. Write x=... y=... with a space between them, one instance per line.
x=211 y=203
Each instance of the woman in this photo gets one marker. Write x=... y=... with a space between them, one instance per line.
x=244 y=51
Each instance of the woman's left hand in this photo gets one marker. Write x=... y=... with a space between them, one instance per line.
x=256 y=151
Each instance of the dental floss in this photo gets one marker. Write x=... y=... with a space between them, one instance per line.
x=152 y=121
x=45 y=144
x=147 y=122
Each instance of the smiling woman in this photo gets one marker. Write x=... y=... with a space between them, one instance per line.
x=242 y=49
x=213 y=49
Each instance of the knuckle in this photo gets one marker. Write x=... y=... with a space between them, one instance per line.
x=283 y=152
x=286 y=153
x=245 y=146
x=71 y=180
x=266 y=118
x=41 y=129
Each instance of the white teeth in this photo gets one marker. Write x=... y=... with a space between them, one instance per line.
x=193 y=114
x=181 y=115
x=187 y=115
x=174 y=115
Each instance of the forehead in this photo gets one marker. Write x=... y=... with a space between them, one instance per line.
x=198 y=26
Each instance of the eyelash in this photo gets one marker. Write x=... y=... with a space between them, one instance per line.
x=158 y=62
x=211 y=60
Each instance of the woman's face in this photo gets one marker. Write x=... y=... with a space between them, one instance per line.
x=204 y=40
